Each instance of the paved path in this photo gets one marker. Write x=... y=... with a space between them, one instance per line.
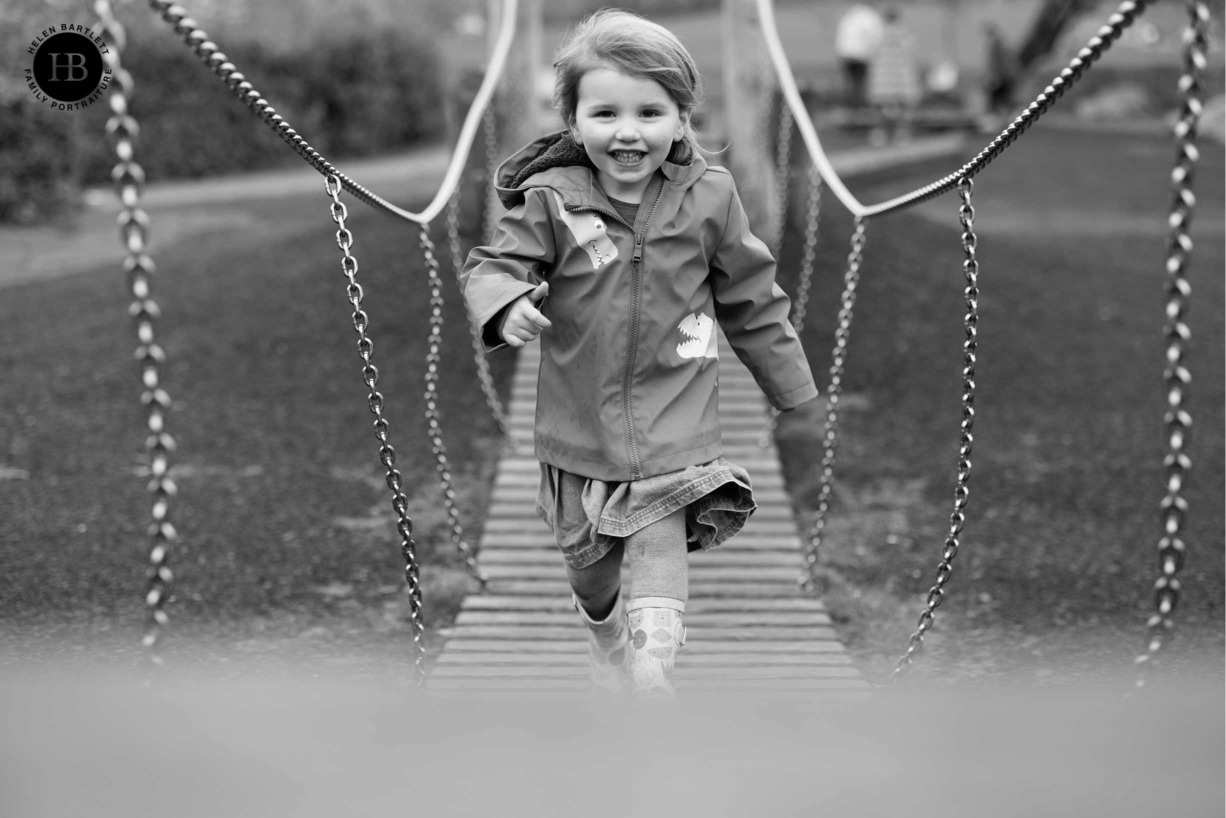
x=181 y=210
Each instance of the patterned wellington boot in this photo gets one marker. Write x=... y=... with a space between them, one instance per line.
x=656 y=631
x=606 y=648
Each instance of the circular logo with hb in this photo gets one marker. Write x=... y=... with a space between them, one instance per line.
x=68 y=67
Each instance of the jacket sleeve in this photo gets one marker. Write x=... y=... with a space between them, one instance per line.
x=517 y=258
x=753 y=312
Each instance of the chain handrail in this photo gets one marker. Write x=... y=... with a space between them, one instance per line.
x=482 y=361
x=838 y=358
x=434 y=360
x=1177 y=421
x=216 y=60
x=489 y=215
x=800 y=304
x=783 y=176
x=129 y=179
x=1097 y=45
x=970 y=267
x=387 y=455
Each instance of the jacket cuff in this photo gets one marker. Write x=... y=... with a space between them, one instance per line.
x=794 y=397
x=491 y=331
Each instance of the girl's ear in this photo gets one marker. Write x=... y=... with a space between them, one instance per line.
x=683 y=127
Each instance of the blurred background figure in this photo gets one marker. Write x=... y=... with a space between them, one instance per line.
x=894 y=81
x=999 y=78
x=856 y=41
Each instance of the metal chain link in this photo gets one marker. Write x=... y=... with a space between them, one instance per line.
x=783 y=176
x=434 y=359
x=812 y=220
x=1178 y=422
x=134 y=224
x=479 y=357
x=490 y=216
x=387 y=455
x=966 y=214
x=838 y=358
x=801 y=302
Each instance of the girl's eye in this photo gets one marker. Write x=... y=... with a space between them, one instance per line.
x=651 y=113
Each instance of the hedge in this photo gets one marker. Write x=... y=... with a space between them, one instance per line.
x=349 y=95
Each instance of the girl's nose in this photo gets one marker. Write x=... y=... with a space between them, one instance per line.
x=626 y=132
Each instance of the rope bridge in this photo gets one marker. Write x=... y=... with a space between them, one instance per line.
x=759 y=573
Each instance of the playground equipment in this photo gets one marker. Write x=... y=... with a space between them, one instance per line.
x=129 y=179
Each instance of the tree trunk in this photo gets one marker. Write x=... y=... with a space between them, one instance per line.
x=1052 y=19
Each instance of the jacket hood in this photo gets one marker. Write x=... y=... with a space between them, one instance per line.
x=537 y=163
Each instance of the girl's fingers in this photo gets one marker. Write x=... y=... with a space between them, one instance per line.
x=522 y=333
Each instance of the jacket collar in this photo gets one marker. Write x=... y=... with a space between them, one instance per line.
x=556 y=161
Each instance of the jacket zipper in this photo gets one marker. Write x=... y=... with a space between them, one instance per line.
x=636 y=295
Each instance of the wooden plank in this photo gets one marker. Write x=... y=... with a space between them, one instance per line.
x=694 y=685
x=559 y=588
x=548 y=555
x=754 y=460
x=766 y=498
x=578 y=646
x=684 y=659
x=746 y=619
x=682 y=674
x=768 y=526
x=696 y=633
x=785 y=575
x=537 y=535
x=701 y=607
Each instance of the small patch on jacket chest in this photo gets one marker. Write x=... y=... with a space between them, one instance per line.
x=590 y=233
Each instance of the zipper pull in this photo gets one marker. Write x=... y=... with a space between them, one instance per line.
x=638 y=247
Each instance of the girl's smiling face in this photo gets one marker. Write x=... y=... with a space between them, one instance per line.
x=627 y=126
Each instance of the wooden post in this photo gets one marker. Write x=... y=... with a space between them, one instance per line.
x=746 y=115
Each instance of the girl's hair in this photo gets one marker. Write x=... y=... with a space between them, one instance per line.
x=630 y=44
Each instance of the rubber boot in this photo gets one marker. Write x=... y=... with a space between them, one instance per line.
x=656 y=631
x=606 y=648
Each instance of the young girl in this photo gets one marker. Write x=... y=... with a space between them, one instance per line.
x=620 y=250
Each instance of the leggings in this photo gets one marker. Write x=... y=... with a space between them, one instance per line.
x=659 y=566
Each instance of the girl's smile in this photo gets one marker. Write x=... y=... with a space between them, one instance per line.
x=627 y=126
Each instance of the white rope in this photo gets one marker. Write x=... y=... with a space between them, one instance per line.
x=787 y=84
x=468 y=132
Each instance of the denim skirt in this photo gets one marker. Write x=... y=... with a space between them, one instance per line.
x=588 y=517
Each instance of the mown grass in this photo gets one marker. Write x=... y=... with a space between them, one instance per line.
x=282 y=506
x=1058 y=555
x=288 y=544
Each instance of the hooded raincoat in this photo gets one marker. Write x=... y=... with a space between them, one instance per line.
x=628 y=384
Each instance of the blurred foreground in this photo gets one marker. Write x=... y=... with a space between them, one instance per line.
x=108 y=746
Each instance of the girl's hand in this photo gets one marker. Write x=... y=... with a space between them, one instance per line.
x=523 y=321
